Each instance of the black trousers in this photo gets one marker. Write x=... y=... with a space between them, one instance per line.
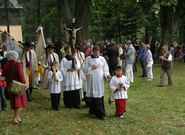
x=72 y=99
x=29 y=93
x=112 y=68
x=86 y=99
x=96 y=107
x=55 y=101
x=143 y=67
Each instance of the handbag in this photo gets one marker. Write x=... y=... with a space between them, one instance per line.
x=17 y=87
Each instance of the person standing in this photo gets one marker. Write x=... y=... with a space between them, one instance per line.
x=120 y=52
x=31 y=67
x=70 y=68
x=149 y=63
x=113 y=54
x=39 y=73
x=166 y=65
x=14 y=70
x=142 y=58
x=80 y=57
x=96 y=69
x=119 y=85
x=55 y=78
x=130 y=60
x=52 y=57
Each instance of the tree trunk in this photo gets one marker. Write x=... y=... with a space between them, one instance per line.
x=167 y=24
x=83 y=7
x=60 y=19
x=181 y=20
x=78 y=9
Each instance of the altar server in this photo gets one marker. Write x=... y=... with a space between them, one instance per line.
x=70 y=68
x=55 y=78
x=119 y=85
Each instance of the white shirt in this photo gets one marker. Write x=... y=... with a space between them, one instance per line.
x=33 y=60
x=130 y=54
x=114 y=84
x=52 y=57
x=55 y=84
x=170 y=58
x=95 y=82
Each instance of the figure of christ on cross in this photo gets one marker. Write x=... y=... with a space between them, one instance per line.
x=73 y=32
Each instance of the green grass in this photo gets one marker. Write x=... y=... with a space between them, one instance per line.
x=151 y=111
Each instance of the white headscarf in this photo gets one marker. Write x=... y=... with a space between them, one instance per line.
x=12 y=55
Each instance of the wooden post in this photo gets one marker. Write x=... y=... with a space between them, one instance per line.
x=7 y=15
x=38 y=13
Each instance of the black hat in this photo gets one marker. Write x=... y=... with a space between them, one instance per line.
x=28 y=44
x=50 y=46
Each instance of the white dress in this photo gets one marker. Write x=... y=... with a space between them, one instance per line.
x=95 y=79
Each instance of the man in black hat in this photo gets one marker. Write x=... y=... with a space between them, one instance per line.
x=31 y=66
x=51 y=55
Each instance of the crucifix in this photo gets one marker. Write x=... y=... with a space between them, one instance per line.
x=73 y=32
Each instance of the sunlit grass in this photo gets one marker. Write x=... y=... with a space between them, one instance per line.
x=151 y=110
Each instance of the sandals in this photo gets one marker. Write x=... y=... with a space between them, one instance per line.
x=17 y=121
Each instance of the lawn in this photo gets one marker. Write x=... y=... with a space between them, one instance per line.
x=152 y=110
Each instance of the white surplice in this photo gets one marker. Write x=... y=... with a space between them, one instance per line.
x=114 y=84
x=72 y=80
x=55 y=83
x=95 y=79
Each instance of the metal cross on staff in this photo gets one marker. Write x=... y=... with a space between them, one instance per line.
x=73 y=32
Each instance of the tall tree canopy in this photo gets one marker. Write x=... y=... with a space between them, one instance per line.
x=147 y=20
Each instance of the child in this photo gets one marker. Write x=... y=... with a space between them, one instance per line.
x=119 y=85
x=40 y=73
x=55 y=78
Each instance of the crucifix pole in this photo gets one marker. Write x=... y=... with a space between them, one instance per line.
x=38 y=12
x=7 y=15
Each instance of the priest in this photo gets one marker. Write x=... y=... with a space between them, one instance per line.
x=96 y=69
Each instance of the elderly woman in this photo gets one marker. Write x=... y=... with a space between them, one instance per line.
x=13 y=70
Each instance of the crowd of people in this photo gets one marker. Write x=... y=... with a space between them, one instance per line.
x=79 y=74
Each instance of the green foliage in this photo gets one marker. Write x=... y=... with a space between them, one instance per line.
x=113 y=19
x=168 y=2
x=117 y=19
